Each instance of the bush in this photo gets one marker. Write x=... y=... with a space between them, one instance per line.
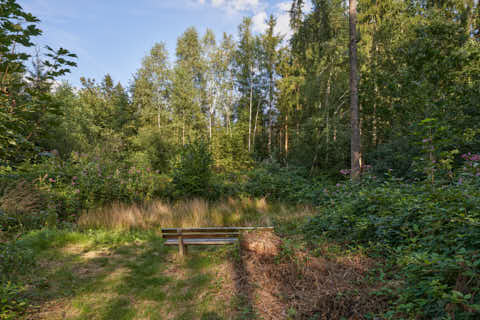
x=432 y=233
x=291 y=185
x=153 y=152
x=192 y=172
x=396 y=156
x=11 y=302
x=54 y=187
x=14 y=260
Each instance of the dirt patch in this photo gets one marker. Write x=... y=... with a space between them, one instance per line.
x=285 y=284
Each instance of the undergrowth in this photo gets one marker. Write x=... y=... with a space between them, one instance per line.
x=429 y=236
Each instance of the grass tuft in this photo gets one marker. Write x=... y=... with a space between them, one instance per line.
x=188 y=213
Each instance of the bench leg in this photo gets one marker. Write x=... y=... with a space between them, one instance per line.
x=182 y=248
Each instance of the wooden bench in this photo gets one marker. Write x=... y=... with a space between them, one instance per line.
x=184 y=237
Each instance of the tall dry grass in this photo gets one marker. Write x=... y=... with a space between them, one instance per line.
x=184 y=214
x=20 y=199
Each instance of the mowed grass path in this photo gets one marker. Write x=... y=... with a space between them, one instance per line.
x=105 y=275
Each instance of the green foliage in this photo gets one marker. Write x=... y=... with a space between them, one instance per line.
x=11 y=302
x=291 y=185
x=395 y=157
x=275 y=182
x=153 y=151
x=14 y=259
x=192 y=173
x=430 y=233
x=66 y=187
x=27 y=109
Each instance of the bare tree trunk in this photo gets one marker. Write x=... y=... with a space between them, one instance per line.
x=255 y=127
x=286 y=136
x=327 y=111
x=374 y=52
x=183 y=130
x=356 y=155
x=270 y=102
x=158 y=119
x=250 y=119
x=210 y=123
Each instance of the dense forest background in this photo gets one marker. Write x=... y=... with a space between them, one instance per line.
x=260 y=98
x=263 y=116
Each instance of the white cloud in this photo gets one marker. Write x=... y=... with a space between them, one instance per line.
x=284 y=6
x=260 y=10
x=283 y=18
x=259 y=22
x=233 y=6
x=282 y=13
x=217 y=3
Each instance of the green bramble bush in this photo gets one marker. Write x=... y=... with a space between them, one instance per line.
x=14 y=260
x=12 y=304
x=429 y=234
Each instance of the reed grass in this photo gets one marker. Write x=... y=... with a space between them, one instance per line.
x=187 y=213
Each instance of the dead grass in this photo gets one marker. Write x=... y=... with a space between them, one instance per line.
x=285 y=284
x=21 y=198
x=190 y=213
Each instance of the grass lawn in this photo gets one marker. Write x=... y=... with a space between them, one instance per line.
x=131 y=276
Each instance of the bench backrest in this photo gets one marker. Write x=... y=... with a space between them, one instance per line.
x=184 y=237
x=212 y=232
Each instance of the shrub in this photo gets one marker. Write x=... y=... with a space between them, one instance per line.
x=432 y=233
x=192 y=172
x=54 y=187
x=291 y=185
x=11 y=302
x=14 y=260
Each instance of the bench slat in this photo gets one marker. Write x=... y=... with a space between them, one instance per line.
x=201 y=235
x=198 y=241
x=216 y=229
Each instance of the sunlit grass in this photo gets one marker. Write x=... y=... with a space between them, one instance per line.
x=189 y=213
x=115 y=266
x=137 y=279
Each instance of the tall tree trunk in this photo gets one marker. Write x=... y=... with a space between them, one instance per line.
x=158 y=118
x=270 y=102
x=250 y=119
x=210 y=118
x=183 y=130
x=327 y=112
x=286 y=137
x=356 y=155
x=255 y=127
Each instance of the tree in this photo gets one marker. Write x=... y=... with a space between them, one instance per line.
x=269 y=62
x=27 y=110
x=246 y=60
x=211 y=80
x=188 y=86
x=356 y=154
x=152 y=87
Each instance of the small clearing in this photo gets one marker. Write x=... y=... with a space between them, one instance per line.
x=143 y=279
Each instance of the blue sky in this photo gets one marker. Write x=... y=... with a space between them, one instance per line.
x=112 y=36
